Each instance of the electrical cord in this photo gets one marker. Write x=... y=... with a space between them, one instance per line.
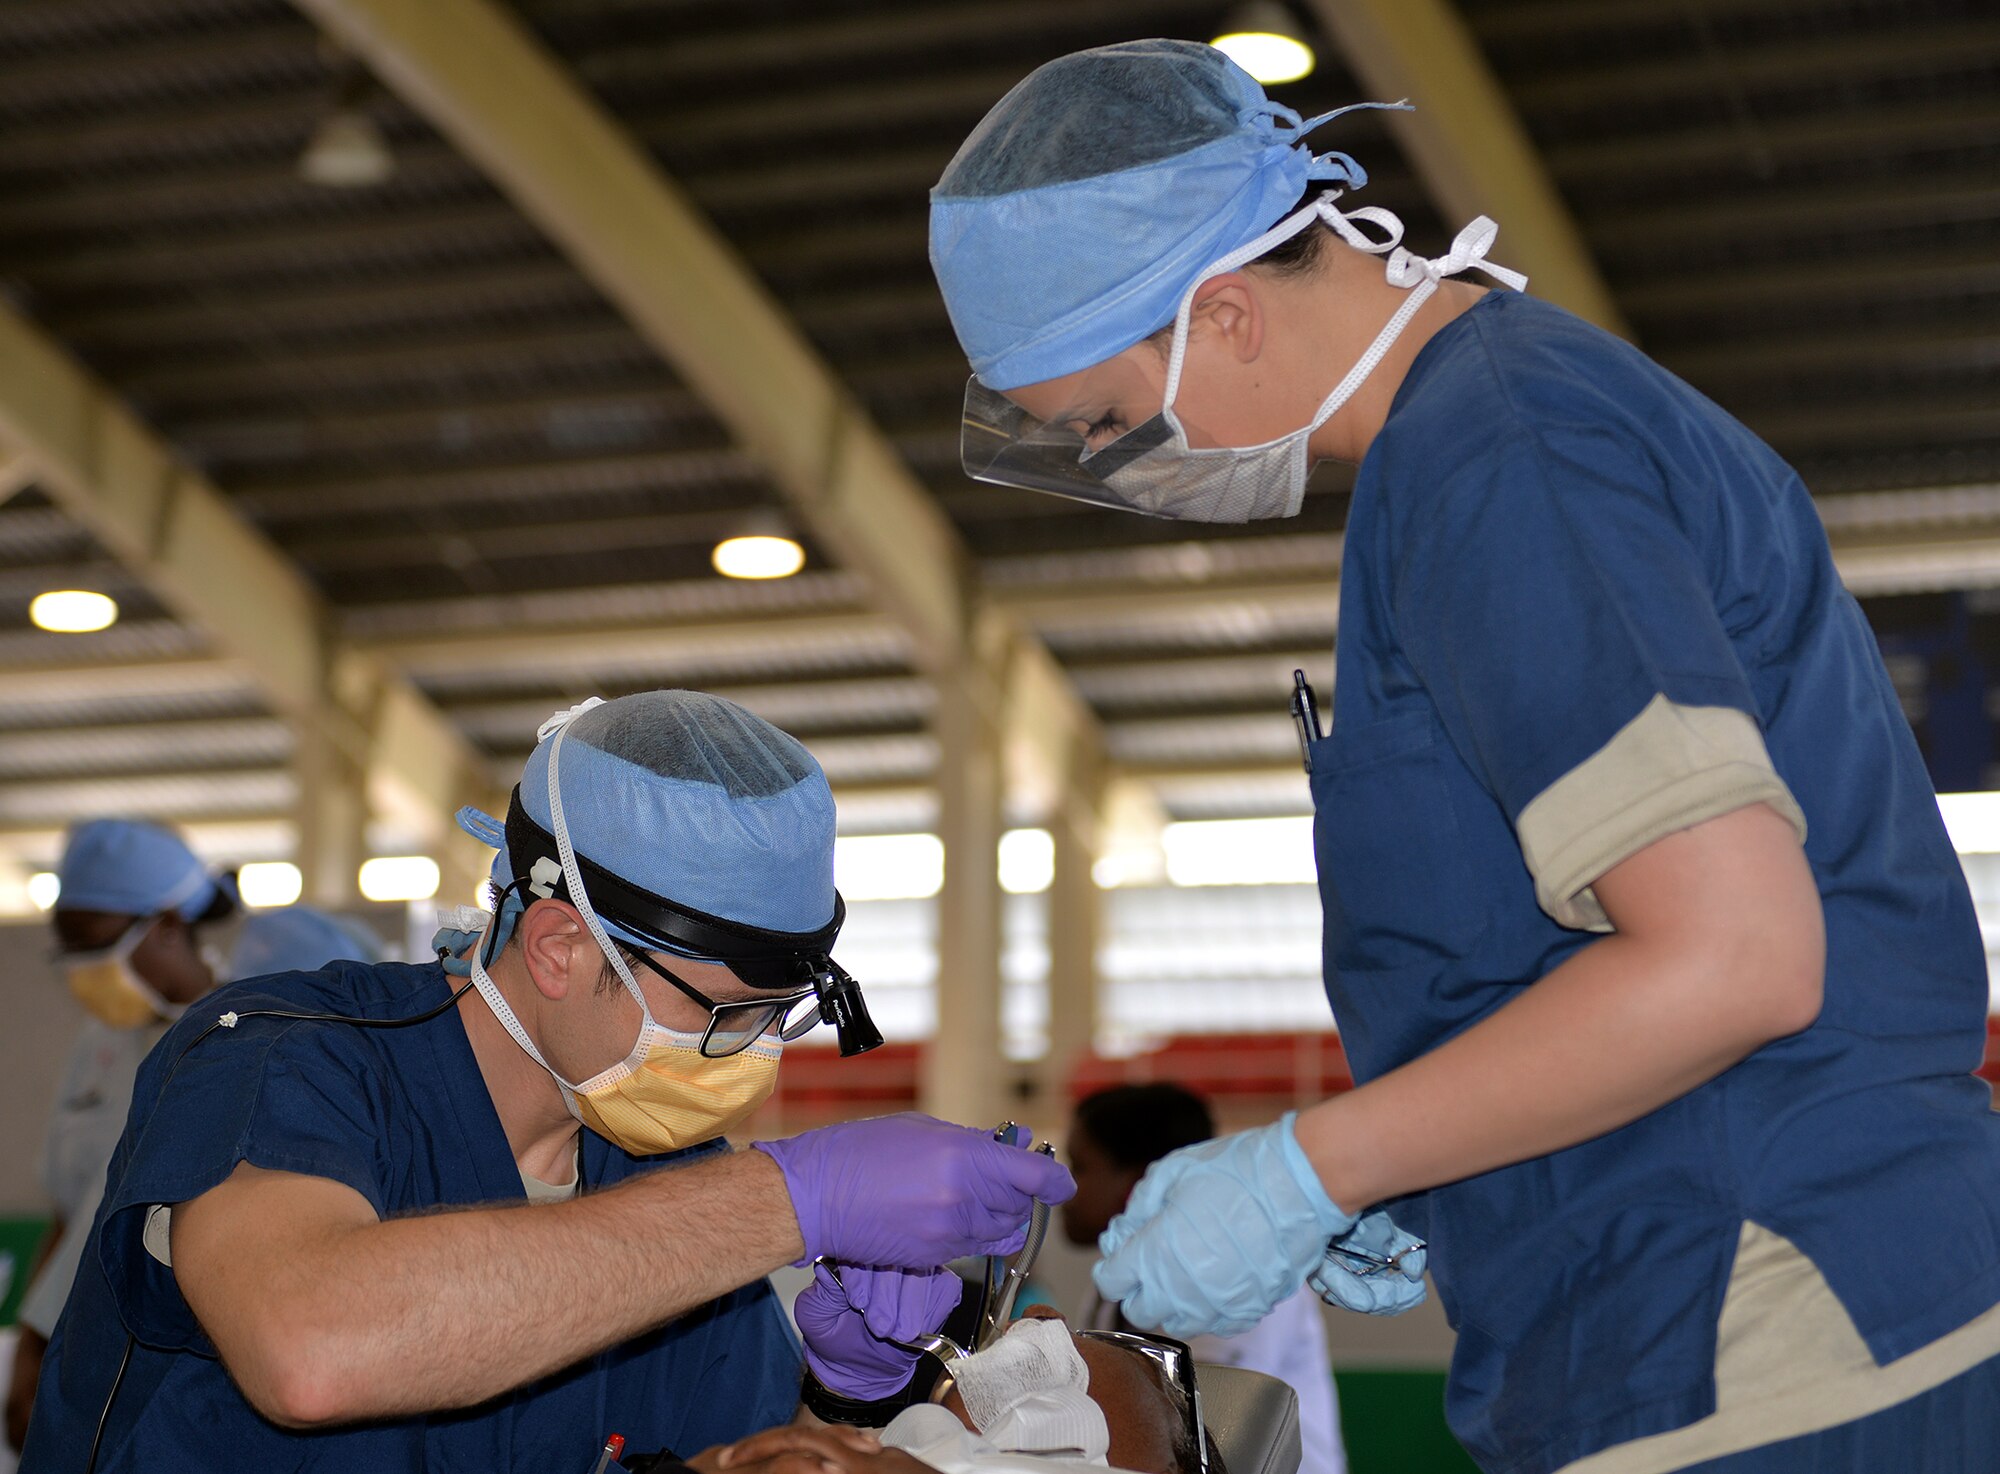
x=230 y=1020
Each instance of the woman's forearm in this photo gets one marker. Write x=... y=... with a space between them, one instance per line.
x=1720 y=949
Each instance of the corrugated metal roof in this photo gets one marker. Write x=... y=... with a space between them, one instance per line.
x=483 y=468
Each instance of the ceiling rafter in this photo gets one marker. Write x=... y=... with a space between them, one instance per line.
x=1911 y=46
x=180 y=535
x=1468 y=144
x=483 y=82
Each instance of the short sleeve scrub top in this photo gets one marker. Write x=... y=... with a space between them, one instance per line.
x=1582 y=608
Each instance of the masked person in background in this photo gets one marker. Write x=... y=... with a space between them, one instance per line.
x=128 y=917
x=1114 y=1136
x=378 y=1219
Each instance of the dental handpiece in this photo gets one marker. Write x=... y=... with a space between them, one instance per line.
x=1024 y=1262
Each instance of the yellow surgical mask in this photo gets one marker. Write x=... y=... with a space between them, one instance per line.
x=110 y=988
x=665 y=1094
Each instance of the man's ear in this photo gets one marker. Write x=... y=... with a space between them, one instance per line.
x=1228 y=308
x=557 y=948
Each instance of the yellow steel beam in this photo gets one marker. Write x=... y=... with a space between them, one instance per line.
x=1467 y=142
x=486 y=84
x=210 y=567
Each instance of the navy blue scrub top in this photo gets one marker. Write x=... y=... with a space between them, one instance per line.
x=401 y=1116
x=1550 y=533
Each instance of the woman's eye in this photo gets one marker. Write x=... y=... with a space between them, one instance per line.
x=1099 y=431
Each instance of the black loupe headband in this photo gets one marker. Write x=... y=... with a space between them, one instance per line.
x=776 y=961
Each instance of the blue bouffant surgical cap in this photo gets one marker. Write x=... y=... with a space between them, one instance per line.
x=129 y=867
x=1091 y=197
x=298 y=939
x=693 y=799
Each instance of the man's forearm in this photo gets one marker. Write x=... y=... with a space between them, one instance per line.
x=445 y=1310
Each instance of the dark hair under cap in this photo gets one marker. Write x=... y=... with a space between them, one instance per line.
x=1136 y=1125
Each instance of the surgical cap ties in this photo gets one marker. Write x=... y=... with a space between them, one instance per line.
x=1417 y=274
x=573 y=877
x=562 y=719
x=1333 y=166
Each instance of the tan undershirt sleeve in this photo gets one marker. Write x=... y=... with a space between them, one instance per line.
x=1788 y=1361
x=1669 y=768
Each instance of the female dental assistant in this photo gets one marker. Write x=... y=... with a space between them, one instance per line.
x=1657 y=971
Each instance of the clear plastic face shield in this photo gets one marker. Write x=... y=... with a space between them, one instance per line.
x=1153 y=468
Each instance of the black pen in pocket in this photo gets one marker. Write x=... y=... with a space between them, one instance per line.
x=1305 y=711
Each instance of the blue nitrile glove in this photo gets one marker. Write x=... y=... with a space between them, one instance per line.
x=849 y=1325
x=1361 y=1282
x=912 y=1191
x=1217 y=1234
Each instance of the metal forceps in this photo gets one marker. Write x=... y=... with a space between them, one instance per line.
x=1366 y=1262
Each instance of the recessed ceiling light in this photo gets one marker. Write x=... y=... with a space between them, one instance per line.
x=73 y=611
x=758 y=556
x=1264 y=40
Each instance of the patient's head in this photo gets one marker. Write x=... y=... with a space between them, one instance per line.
x=1143 y=1410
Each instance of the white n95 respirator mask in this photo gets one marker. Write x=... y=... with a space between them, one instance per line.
x=1154 y=468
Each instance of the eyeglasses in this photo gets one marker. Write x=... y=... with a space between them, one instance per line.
x=1176 y=1364
x=737 y=1024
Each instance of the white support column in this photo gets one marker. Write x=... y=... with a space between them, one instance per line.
x=964 y=1077
x=332 y=819
x=1076 y=926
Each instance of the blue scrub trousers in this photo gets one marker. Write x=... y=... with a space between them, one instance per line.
x=1952 y=1429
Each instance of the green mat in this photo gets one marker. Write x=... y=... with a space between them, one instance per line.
x=19 y=1238
x=1393 y=1423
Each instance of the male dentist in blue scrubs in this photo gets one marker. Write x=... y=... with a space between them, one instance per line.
x=367 y=1218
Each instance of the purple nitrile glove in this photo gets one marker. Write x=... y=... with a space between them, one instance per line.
x=911 y=1191
x=850 y=1325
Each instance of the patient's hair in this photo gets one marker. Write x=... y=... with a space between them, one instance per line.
x=1136 y=1125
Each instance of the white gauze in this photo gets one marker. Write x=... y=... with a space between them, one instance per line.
x=1029 y=1393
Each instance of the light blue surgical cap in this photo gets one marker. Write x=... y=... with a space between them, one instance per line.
x=132 y=868
x=298 y=939
x=694 y=799
x=1071 y=221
